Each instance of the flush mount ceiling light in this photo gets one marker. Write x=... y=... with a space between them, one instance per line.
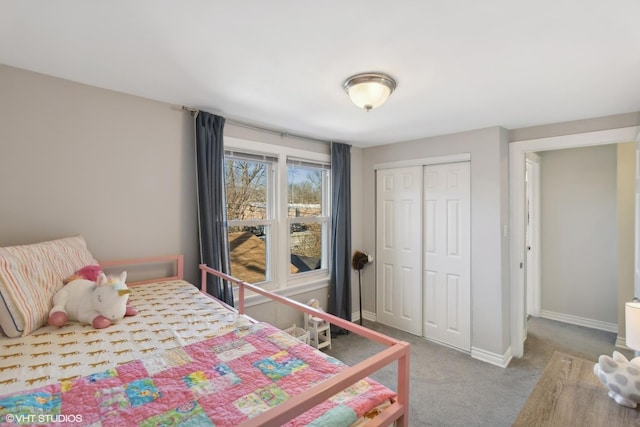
x=369 y=90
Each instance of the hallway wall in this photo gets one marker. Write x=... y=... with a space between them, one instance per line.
x=579 y=234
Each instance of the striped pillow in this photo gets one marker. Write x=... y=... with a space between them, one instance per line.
x=30 y=275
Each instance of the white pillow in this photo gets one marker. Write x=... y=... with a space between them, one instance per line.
x=29 y=277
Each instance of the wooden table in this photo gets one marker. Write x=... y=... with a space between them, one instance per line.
x=569 y=394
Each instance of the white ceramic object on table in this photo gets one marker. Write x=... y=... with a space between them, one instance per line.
x=621 y=376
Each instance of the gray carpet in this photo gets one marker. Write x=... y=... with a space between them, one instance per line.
x=449 y=388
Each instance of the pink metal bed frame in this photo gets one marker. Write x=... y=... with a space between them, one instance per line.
x=296 y=405
x=396 y=350
x=177 y=259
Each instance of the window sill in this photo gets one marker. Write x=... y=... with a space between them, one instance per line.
x=252 y=300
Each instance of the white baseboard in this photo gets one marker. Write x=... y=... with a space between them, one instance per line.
x=366 y=315
x=580 y=321
x=621 y=342
x=369 y=315
x=501 y=360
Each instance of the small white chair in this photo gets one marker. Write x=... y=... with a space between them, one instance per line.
x=320 y=330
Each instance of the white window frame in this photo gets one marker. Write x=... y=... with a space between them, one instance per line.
x=281 y=279
x=325 y=219
x=270 y=220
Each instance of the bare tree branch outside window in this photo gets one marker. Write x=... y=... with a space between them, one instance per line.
x=246 y=189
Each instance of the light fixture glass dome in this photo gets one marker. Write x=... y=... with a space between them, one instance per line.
x=369 y=90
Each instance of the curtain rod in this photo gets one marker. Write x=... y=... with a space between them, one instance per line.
x=262 y=129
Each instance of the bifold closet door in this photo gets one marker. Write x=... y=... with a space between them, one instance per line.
x=399 y=248
x=447 y=254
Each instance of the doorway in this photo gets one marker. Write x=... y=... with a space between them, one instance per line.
x=517 y=166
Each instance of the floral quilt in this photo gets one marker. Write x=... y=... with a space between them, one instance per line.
x=221 y=381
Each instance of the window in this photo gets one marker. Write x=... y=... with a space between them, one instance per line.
x=307 y=190
x=278 y=213
x=249 y=188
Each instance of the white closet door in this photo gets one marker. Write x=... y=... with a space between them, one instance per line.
x=399 y=248
x=447 y=256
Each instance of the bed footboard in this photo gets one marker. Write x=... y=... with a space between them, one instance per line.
x=175 y=261
x=396 y=351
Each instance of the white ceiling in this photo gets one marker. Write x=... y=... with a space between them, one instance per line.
x=459 y=64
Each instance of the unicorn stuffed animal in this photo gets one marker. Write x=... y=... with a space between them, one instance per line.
x=98 y=303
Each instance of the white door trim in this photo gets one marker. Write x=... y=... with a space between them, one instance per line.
x=636 y=262
x=453 y=158
x=517 y=154
x=533 y=246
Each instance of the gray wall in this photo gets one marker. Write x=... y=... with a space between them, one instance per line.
x=579 y=232
x=489 y=217
x=119 y=169
x=116 y=168
x=626 y=228
x=357 y=232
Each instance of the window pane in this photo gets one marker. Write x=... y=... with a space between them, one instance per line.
x=249 y=247
x=304 y=191
x=246 y=189
x=306 y=246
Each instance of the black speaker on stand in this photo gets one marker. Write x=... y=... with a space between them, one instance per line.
x=358 y=262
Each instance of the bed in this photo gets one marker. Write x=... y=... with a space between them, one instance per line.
x=185 y=359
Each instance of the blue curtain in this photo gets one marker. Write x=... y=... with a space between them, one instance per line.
x=340 y=262
x=212 y=206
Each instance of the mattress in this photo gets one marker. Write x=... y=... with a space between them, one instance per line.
x=170 y=314
x=185 y=358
